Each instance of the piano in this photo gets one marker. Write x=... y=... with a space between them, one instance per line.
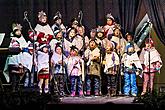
x=10 y=51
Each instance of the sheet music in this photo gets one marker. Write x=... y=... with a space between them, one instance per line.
x=2 y=35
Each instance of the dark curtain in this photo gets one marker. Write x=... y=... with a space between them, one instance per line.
x=129 y=10
x=94 y=12
x=156 y=12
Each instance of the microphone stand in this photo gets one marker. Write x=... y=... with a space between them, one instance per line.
x=34 y=50
x=150 y=25
x=120 y=67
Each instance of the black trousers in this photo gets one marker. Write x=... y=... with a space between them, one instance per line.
x=111 y=81
x=15 y=77
x=59 y=83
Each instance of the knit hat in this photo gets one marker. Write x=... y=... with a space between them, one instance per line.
x=74 y=21
x=128 y=45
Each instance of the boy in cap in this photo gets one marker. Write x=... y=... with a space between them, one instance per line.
x=132 y=67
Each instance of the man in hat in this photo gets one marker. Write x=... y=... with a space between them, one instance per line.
x=44 y=32
x=74 y=23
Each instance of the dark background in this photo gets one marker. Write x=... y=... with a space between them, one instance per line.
x=128 y=13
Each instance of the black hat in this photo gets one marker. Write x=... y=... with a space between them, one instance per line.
x=74 y=21
x=57 y=16
x=73 y=47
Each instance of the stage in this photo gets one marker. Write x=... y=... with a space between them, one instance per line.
x=97 y=100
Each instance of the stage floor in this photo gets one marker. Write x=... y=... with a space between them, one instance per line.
x=98 y=100
x=100 y=103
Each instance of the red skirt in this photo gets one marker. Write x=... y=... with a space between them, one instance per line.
x=43 y=76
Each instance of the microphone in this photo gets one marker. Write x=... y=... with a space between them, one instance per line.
x=25 y=15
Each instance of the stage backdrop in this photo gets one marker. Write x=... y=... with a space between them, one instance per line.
x=128 y=13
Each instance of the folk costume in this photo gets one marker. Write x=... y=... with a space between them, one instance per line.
x=111 y=62
x=75 y=69
x=155 y=64
x=57 y=40
x=59 y=69
x=119 y=40
x=43 y=68
x=14 y=63
x=44 y=32
x=109 y=27
x=27 y=63
x=92 y=55
x=58 y=25
x=132 y=67
x=72 y=39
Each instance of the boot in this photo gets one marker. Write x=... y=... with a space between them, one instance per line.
x=81 y=93
x=88 y=93
x=73 y=94
x=113 y=92
x=109 y=92
x=46 y=90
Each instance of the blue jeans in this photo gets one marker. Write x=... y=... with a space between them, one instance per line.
x=96 y=85
x=130 y=83
x=76 y=80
